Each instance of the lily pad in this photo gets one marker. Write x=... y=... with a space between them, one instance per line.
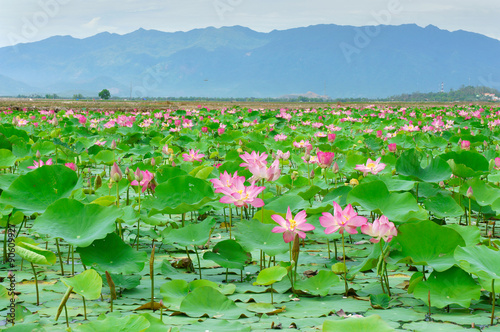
x=443 y=206
x=229 y=254
x=132 y=323
x=206 y=301
x=371 y=323
x=191 y=234
x=479 y=260
x=319 y=284
x=35 y=254
x=253 y=235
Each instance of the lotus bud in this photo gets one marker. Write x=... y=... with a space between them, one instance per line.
x=441 y=184
x=116 y=173
x=382 y=152
x=153 y=161
x=97 y=182
x=311 y=175
x=469 y=193
x=485 y=144
x=55 y=122
x=138 y=175
x=204 y=129
x=331 y=137
x=335 y=168
x=113 y=144
x=38 y=154
x=294 y=175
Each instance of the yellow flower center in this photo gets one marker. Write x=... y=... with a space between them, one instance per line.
x=370 y=165
x=293 y=224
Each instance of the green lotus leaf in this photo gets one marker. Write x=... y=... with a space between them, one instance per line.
x=78 y=224
x=375 y=197
x=36 y=190
x=180 y=194
x=443 y=206
x=35 y=254
x=253 y=235
x=7 y=158
x=479 y=260
x=483 y=193
x=453 y=286
x=371 y=323
x=132 y=323
x=87 y=284
x=466 y=164
x=427 y=243
x=228 y=254
x=270 y=275
x=112 y=254
x=409 y=164
x=319 y=284
x=191 y=234
x=209 y=301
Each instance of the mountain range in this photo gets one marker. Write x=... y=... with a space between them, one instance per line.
x=330 y=60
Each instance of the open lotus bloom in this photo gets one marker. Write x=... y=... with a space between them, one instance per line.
x=381 y=228
x=371 y=166
x=37 y=164
x=341 y=220
x=290 y=226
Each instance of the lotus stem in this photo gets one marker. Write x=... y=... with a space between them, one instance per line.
x=60 y=258
x=72 y=260
x=152 y=276
x=84 y=308
x=328 y=246
x=493 y=300
x=345 y=266
x=199 y=263
x=230 y=221
x=66 y=314
x=5 y=240
x=36 y=284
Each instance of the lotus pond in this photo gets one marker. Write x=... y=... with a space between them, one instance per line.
x=366 y=218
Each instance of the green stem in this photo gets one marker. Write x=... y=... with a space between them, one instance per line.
x=470 y=222
x=345 y=266
x=272 y=291
x=328 y=246
x=230 y=221
x=493 y=301
x=5 y=240
x=84 y=308
x=199 y=264
x=36 y=284
x=60 y=258
x=66 y=313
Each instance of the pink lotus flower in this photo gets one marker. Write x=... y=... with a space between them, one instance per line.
x=303 y=145
x=261 y=172
x=282 y=155
x=325 y=159
x=193 y=156
x=331 y=137
x=221 y=131
x=497 y=163
x=393 y=147
x=381 y=228
x=71 y=165
x=204 y=129
x=100 y=143
x=291 y=226
x=371 y=167
x=465 y=145
x=116 y=173
x=280 y=137
x=346 y=219
x=254 y=159
x=226 y=180
x=40 y=163
x=144 y=179
x=239 y=195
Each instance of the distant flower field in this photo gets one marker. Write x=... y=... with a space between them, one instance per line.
x=367 y=218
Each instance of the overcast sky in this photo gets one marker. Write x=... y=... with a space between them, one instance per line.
x=32 y=20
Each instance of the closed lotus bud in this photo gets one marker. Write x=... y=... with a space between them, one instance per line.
x=138 y=175
x=113 y=144
x=441 y=184
x=383 y=152
x=335 y=167
x=470 y=192
x=38 y=154
x=311 y=175
x=97 y=182
x=296 y=248
x=116 y=173
x=153 y=162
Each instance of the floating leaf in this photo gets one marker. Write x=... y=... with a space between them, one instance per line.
x=371 y=323
x=132 y=323
x=253 y=235
x=380 y=301
x=270 y=275
x=191 y=234
x=319 y=284
x=443 y=206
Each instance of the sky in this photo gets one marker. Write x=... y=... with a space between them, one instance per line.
x=23 y=21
